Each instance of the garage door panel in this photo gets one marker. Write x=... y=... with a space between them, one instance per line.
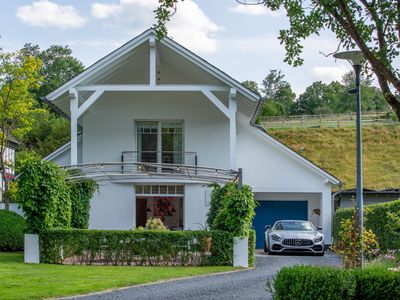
x=268 y=212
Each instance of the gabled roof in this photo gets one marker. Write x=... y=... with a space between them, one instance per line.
x=113 y=56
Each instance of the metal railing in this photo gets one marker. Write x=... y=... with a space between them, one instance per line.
x=132 y=171
x=161 y=157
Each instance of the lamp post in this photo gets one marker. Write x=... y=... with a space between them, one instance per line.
x=355 y=57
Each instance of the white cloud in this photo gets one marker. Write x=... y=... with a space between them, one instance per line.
x=328 y=74
x=254 y=10
x=46 y=14
x=188 y=26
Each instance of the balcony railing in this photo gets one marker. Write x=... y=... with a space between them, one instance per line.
x=160 y=157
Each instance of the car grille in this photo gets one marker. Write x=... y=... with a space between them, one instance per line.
x=297 y=242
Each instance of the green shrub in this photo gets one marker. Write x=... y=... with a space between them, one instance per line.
x=237 y=213
x=375 y=283
x=44 y=196
x=252 y=248
x=136 y=247
x=12 y=228
x=218 y=200
x=310 y=282
x=376 y=218
x=81 y=192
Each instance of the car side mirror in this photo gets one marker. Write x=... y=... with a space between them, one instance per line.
x=319 y=228
x=267 y=227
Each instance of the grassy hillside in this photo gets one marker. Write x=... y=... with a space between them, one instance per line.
x=334 y=149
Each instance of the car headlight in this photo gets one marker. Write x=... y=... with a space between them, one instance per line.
x=318 y=238
x=276 y=237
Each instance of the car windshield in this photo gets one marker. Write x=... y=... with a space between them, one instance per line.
x=294 y=226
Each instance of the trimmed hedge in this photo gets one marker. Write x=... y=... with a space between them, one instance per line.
x=376 y=219
x=136 y=247
x=309 y=282
x=12 y=229
x=252 y=248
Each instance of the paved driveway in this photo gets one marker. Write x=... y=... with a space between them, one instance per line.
x=249 y=284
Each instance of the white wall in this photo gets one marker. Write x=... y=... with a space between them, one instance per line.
x=194 y=205
x=64 y=157
x=109 y=125
x=13 y=207
x=113 y=207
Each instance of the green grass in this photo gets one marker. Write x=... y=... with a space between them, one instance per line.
x=334 y=149
x=26 y=281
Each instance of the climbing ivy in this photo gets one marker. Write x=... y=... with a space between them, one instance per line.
x=43 y=195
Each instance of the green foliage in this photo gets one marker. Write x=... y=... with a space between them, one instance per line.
x=44 y=196
x=310 y=282
x=136 y=247
x=12 y=228
x=50 y=131
x=81 y=192
x=19 y=74
x=218 y=200
x=349 y=244
x=376 y=218
x=252 y=248
x=237 y=211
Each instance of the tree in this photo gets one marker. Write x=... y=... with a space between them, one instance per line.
x=278 y=91
x=50 y=131
x=372 y=26
x=19 y=74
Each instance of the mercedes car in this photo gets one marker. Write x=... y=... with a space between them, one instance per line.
x=294 y=236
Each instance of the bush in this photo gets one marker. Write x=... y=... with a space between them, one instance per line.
x=44 y=196
x=309 y=282
x=81 y=192
x=218 y=200
x=376 y=216
x=136 y=247
x=237 y=212
x=12 y=228
x=252 y=248
x=349 y=245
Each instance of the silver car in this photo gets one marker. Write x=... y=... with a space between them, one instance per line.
x=294 y=236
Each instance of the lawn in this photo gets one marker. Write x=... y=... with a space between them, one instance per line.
x=334 y=149
x=26 y=281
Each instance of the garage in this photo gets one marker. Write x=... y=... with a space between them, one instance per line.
x=270 y=211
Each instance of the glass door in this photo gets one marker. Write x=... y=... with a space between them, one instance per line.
x=172 y=143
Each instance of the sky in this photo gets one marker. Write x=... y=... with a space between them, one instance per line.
x=240 y=40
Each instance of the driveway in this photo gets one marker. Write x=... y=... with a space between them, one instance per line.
x=248 y=284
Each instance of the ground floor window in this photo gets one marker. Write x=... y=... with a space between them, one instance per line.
x=160 y=201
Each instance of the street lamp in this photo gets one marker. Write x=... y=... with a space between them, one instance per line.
x=355 y=57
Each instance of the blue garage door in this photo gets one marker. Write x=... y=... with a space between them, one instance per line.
x=268 y=212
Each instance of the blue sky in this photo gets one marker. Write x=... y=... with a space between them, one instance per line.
x=242 y=41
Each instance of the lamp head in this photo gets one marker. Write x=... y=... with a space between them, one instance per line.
x=354 y=56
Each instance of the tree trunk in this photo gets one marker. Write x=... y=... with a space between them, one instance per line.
x=390 y=98
x=4 y=187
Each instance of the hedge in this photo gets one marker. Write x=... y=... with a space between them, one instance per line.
x=136 y=247
x=376 y=219
x=12 y=228
x=310 y=282
x=252 y=248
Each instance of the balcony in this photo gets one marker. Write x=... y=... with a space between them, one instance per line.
x=153 y=165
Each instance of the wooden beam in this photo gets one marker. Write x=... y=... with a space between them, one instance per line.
x=153 y=67
x=232 y=129
x=73 y=93
x=156 y=88
x=217 y=103
x=92 y=99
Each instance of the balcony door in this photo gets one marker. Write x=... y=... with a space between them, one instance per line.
x=159 y=142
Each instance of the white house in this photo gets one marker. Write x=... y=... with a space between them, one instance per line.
x=158 y=124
